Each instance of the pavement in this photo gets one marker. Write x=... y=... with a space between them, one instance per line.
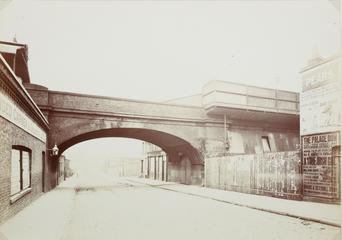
x=46 y=218
x=56 y=214
x=329 y=214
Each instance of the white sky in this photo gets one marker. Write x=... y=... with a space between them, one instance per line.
x=161 y=50
x=83 y=154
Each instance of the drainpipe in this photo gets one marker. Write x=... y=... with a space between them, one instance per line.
x=166 y=168
x=142 y=168
x=226 y=140
x=225 y=128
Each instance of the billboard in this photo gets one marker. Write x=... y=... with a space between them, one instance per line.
x=320 y=166
x=320 y=99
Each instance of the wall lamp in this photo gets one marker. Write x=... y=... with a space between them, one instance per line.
x=54 y=151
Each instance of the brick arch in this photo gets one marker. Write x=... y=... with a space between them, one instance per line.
x=181 y=131
x=169 y=143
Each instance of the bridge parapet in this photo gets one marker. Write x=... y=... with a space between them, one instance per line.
x=220 y=94
x=91 y=104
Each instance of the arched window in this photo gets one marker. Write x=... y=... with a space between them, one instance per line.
x=20 y=169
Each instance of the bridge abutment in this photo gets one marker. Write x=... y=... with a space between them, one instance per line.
x=181 y=169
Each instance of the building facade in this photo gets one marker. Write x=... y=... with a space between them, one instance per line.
x=23 y=135
x=61 y=169
x=154 y=163
x=68 y=172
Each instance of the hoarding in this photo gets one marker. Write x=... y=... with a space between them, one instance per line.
x=320 y=99
x=320 y=168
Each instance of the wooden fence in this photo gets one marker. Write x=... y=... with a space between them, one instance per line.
x=276 y=174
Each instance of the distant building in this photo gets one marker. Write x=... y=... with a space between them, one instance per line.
x=61 y=170
x=154 y=164
x=193 y=100
x=68 y=172
x=123 y=167
x=64 y=171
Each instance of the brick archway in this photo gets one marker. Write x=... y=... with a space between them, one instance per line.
x=170 y=144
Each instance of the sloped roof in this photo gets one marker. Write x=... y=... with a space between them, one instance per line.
x=16 y=55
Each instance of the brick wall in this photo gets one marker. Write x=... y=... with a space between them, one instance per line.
x=12 y=135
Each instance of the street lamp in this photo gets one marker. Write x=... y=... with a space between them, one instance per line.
x=54 y=151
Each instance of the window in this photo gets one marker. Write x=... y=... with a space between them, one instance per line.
x=20 y=169
x=265 y=144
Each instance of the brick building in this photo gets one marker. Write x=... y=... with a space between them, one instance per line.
x=23 y=134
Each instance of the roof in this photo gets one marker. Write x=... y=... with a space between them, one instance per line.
x=16 y=55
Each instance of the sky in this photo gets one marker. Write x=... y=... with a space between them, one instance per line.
x=82 y=155
x=160 y=50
